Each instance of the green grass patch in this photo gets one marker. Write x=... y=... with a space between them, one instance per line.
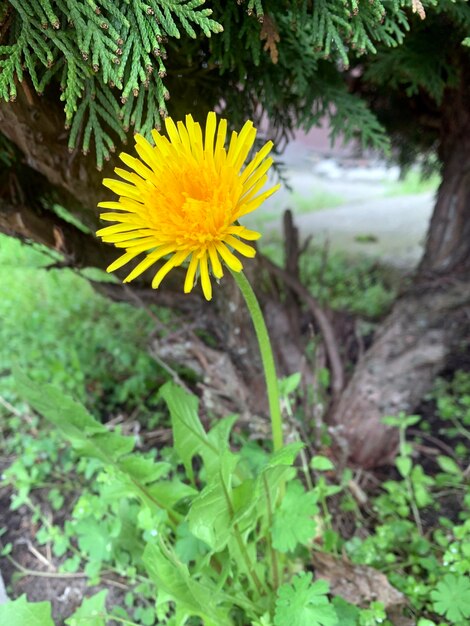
x=300 y=204
x=316 y=201
x=60 y=330
x=413 y=183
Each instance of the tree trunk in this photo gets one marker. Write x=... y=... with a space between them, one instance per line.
x=429 y=322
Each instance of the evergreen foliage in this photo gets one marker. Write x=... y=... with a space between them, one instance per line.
x=406 y=86
x=116 y=62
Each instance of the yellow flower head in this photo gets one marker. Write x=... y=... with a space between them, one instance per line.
x=184 y=198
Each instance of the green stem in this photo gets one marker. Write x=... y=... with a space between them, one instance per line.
x=274 y=561
x=241 y=545
x=266 y=356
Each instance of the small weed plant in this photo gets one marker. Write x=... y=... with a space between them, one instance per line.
x=203 y=533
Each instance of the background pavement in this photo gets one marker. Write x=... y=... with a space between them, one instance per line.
x=355 y=202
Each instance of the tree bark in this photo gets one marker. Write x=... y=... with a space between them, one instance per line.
x=429 y=322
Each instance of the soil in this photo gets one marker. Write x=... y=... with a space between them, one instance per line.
x=65 y=592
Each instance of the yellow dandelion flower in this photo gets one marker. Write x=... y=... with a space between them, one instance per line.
x=184 y=198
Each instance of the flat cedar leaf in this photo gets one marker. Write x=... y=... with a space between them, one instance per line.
x=301 y=603
x=189 y=595
x=92 y=611
x=452 y=597
x=20 y=612
x=293 y=521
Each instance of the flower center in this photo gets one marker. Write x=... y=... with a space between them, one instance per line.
x=195 y=205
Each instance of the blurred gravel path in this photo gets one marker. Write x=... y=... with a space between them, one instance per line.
x=392 y=229
x=363 y=217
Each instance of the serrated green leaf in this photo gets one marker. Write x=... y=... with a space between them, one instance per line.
x=144 y=470
x=218 y=437
x=302 y=603
x=20 y=612
x=452 y=597
x=92 y=611
x=293 y=521
x=93 y=540
x=58 y=408
x=189 y=436
x=210 y=517
x=85 y=433
x=189 y=595
x=285 y=456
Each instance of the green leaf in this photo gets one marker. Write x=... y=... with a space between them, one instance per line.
x=188 y=547
x=346 y=613
x=286 y=455
x=143 y=470
x=70 y=416
x=293 y=521
x=189 y=436
x=254 y=499
x=93 y=439
x=404 y=465
x=92 y=611
x=452 y=597
x=321 y=464
x=86 y=434
x=93 y=539
x=171 y=491
x=218 y=437
x=189 y=595
x=289 y=384
x=448 y=465
x=302 y=603
x=20 y=612
x=211 y=515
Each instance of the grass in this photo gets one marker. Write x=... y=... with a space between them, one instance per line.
x=413 y=183
x=317 y=201
x=301 y=204
x=57 y=328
